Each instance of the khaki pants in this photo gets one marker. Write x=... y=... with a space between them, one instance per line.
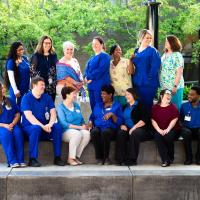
x=78 y=140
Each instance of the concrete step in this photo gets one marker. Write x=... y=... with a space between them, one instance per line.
x=148 y=153
x=91 y=182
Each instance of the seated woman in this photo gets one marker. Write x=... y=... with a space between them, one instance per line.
x=75 y=130
x=164 y=120
x=105 y=119
x=11 y=135
x=133 y=129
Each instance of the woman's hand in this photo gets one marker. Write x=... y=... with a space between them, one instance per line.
x=90 y=125
x=107 y=116
x=8 y=126
x=18 y=95
x=124 y=128
x=84 y=127
x=131 y=130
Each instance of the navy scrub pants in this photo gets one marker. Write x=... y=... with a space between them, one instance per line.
x=35 y=134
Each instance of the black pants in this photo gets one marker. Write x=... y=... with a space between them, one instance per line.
x=101 y=141
x=165 y=145
x=129 y=152
x=188 y=134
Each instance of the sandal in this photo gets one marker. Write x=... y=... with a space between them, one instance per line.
x=78 y=161
x=72 y=162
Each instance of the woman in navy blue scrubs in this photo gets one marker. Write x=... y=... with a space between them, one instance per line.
x=17 y=76
x=11 y=136
x=105 y=119
x=97 y=71
x=147 y=66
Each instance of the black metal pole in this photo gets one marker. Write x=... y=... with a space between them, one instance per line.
x=199 y=61
x=152 y=20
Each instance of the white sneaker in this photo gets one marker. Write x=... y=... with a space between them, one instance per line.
x=15 y=165
x=22 y=164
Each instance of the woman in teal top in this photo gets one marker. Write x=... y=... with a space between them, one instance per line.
x=75 y=130
x=171 y=76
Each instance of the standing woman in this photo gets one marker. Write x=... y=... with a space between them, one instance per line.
x=68 y=71
x=120 y=73
x=97 y=71
x=164 y=120
x=43 y=64
x=17 y=75
x=147 y=65
x=11 y=136
x=171 y=76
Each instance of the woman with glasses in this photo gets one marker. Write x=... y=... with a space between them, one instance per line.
x=43 y=64
x=164 y=120
x=17 y=74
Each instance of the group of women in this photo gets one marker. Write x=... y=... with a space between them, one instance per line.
x=121 y=93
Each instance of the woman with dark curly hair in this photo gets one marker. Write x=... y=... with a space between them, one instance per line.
x=43 y=64
x=17 y=74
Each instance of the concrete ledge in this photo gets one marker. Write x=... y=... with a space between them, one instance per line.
x=148 y=153
x=85 y=182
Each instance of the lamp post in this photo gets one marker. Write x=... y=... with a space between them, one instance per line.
x=153 y=19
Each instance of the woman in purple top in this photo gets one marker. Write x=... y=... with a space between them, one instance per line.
x=147 y=65
x=164 y=120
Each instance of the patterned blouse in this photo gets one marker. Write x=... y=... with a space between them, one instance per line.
x=170 y=64
x=120 y=79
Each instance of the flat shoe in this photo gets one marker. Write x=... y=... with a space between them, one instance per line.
x=73 y=163
x=78 y=161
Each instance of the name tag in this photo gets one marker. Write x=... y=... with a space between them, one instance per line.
x=47 y=116
x=187 y=118
x=78 y=111
x=108 y=109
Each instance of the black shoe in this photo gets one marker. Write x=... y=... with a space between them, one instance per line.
x=107 y=161
x=165 y=164
x=33 y=162
x=131 y=163
x=99 y=162
x=120 y=163
x=58 y=161
x=188 y=162
x=198 y=162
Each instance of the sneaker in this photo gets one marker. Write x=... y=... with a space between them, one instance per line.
x=22 y=164
x=58 y=161
x=165 y=164
x=34 y=163
x=15 y=165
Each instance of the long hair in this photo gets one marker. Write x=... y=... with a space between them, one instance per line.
x=3 y=99
x=39 y=47
x=174 y=43
x=13 y=55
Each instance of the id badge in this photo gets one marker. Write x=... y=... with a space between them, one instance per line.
x=187 y=118
x=47 y=116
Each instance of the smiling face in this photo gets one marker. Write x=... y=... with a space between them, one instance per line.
x=97 y=46
x=106 y=98
x=20 y=51
x=46 y=45
x=39 y=87
x=146 y=40
x=72 y=96
x=129 y=97
x=167 y=45
x=68 y=52
x=166 y=98
x=118 y=52
x=193 y=96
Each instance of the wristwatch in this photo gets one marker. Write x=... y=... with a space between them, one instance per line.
x=175 y=86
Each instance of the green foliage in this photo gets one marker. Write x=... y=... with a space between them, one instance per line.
x=75 y=20
x=186 y=91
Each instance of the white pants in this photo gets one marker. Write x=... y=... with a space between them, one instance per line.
x=78 y=140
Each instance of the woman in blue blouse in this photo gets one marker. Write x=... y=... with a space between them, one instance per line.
x=17 y=75
x=11 y=135
x=97 y=71
x=75 y=130
x=105 y=119
x=43 y=64
x=147 y=65
x=134 y=129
